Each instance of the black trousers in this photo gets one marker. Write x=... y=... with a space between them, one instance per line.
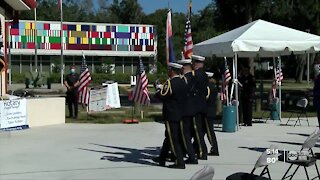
x=72 y=102
x=211 y=135
x=200 y=145
x=186 y=132
x=247 y=111
x=172 y=142
x=316 y=104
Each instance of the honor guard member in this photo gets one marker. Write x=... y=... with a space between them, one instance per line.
x=211 y=114
x=187 y=126
x=72 y=82
x=200 y=93
x=173 y=95
x=247 y=94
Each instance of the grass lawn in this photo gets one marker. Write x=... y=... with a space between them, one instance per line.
x=151 y=114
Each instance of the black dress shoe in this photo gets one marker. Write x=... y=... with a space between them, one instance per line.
x=191 y=161
x=203 y=158
x=177 y=166
x=213 y=154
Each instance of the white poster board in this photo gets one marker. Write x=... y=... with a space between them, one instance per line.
x=13 y=113
x=97 y=100
x=113 y=98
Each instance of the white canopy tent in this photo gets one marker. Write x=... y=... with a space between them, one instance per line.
x=258 y=38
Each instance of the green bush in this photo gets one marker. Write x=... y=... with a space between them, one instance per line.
x=18 y=78
x=97 y=78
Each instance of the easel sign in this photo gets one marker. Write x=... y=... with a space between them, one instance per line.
x=98 y=100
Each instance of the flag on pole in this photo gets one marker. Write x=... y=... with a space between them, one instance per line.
x=85 y=80
x=188 y=44
x=139 y=93
x=59 y=5
x=279 y=74
x=169 y=43
x=226 y=77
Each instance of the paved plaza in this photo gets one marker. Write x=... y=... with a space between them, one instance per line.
x=121 y=151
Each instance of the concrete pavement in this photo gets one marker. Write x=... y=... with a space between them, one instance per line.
x=118 y=151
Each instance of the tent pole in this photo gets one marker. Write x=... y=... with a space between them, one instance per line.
x=279 y=65
x=236 y=94
x=308 y=69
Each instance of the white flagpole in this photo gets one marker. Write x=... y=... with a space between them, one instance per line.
x=35 y=40
x=61 y=37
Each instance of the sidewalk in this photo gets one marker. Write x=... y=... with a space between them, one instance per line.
x=74 y=151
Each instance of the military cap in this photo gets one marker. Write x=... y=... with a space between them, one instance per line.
x=175 y=65
x=185 y=61
x=209 y=74
x=198 y=58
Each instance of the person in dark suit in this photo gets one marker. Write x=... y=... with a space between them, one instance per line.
x=173 y=95
x=316 y=88
x=200 y=103
x=187 y=125
x=72 y=82
x=247 y=94
x=211 y=115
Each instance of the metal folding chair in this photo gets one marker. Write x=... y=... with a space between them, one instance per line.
x=261 y=162
x=308 y=144
x=205 y=173
x=301 y=110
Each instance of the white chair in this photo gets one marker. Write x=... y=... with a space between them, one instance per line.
x=205 y=173
x=308 y=144
x=261 y=162
x=301 y=110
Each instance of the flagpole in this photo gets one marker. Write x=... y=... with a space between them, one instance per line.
x=35 y=40
x=61 y=39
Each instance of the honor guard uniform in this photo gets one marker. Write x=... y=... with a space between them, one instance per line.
x=247 y=95
x=187 y=126
x=200 y=93
x=211 y=114
x=72 y=82
x=173 y=96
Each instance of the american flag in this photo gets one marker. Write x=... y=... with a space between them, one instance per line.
x=277 y=81
x=188 y=44
x=85 y=80
x=279 y=75
x=139 y=93
x=226 y=77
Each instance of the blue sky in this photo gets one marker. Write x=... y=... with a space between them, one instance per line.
x=150 y=6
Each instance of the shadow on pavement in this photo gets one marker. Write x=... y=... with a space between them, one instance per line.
x=137 y=156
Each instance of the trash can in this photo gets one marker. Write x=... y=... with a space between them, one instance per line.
x=275 y=109
x=229 y=119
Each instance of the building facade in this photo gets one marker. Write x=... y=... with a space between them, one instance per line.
x=107 y=47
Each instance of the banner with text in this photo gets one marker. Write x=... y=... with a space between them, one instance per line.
x=97 y=100
x=113 y=98
x=13 y=113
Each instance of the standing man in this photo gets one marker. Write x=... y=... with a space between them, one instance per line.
x=187 y=126
x=173 y=95
x=72 y=82
x=211 y=115
x=200 y=93
x=316 y=88
x=247 y=94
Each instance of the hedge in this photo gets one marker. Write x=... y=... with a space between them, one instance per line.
x=97 y=78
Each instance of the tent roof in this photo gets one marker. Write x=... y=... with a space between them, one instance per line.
x=259 y=37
